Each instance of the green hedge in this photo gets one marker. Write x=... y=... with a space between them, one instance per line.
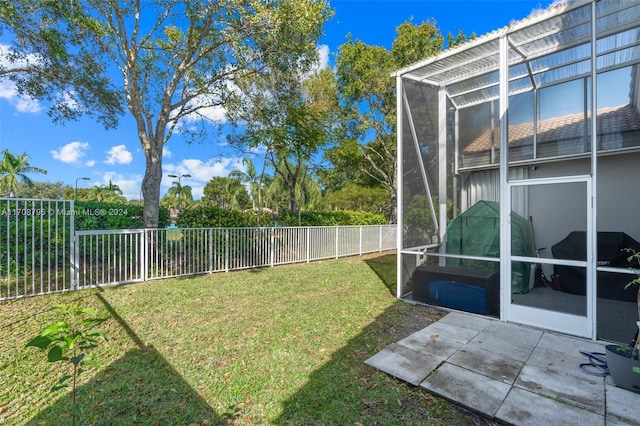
x=215 y=217
x=94 y=215
x=339 y=218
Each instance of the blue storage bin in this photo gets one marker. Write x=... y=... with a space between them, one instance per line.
x=459 y=296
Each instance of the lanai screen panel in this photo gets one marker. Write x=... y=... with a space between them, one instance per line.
x=420 y=164
x=549 y=86
x=550 y=99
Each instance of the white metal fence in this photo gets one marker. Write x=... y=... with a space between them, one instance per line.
x=41 y=252
x=116 y=257
x=36 y=246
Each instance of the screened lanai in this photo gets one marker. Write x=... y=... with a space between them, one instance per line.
x=519 y=162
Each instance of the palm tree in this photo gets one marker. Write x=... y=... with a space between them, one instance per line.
x=253 y=180
x=110 y=193
x=307 y=192
x=182 y=193
x=13 y=169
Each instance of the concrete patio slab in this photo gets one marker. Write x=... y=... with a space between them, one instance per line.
x=622 y=406
x=567 y=385
x=510 y=340
x=527 y=408
x=439 y=345
x=465 y=320
x=509 y=372
x=467 y=388
x=459 y=334
x=404 y=363
x=487 y=363
x=568 y=346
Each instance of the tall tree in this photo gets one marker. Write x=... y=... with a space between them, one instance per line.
x=373 y=199
x=177 y=59
x=290 y=112
x=48 y=190
x=307 y=192
x=52 y=59
x=13 y=169
x=368 y=94
x=226 y=193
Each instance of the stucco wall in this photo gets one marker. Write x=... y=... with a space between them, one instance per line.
x=558 y=210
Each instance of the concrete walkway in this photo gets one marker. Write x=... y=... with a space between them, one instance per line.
x=512 y=373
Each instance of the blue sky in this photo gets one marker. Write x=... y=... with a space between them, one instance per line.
x=84 y=149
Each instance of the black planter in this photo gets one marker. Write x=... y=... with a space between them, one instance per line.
x=624 y=370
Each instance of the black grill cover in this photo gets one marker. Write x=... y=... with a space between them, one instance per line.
x=611 y=252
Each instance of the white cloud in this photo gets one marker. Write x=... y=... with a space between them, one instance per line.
x=323 y=56
x=128 y=184
x=70 y=102
x=215 y=113
x=166 y=153
x=539 y=8
x=90 y=163
x=8 y=90
x=201 y=172
x=209 y=106
x=119 y=155
x=71 y=152
x=19 y=102
x=26 y=104
x=322 y=60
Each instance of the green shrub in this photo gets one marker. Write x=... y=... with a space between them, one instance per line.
x=67 y=341
x=339 y=218
x=94 y=215
x=215 y=217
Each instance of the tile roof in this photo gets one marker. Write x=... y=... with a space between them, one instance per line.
x=611 y=120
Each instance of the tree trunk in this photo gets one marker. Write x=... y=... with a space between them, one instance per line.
x=292 y=196
x=393 y=205
x=151 y=185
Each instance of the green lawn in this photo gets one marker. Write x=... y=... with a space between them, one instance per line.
x=283 y=345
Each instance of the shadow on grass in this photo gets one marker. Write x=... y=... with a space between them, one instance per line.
x=347 y=391
x=385 y=268
x=141 y=387
x=18 y=317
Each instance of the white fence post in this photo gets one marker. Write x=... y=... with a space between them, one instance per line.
x=74 y=252
x=144 y=256
x=226 y=250
x=210 y=249
x=308 y=244
x=272 y=246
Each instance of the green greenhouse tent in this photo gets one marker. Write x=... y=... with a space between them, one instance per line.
x=476 y=232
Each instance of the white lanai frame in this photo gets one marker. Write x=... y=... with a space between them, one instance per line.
x=540 y=51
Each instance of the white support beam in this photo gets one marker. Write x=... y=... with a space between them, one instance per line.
x=400 y=183
x=505 y=195
x=442 y=168
x=592 y=235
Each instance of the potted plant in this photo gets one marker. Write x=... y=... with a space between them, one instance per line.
x=623 y=360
